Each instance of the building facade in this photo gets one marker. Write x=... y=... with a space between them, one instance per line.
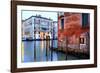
x=73 y=31
x=38 y=27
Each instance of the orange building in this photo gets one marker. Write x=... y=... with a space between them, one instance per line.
x=73 y=31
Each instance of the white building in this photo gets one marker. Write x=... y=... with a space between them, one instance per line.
x=37 y=27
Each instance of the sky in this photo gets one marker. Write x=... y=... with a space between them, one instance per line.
x=52 y=15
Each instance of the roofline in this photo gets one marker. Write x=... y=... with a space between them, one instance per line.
x=37 y=17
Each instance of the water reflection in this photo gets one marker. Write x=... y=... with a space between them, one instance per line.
x=35 y=51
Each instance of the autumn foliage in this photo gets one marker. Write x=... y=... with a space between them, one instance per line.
x=72 y=26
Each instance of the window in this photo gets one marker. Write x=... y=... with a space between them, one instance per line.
x=34 y=32
x=30 y=23
x=62 y=23
x=81 y=40
x=27 y=33
x=85 y=19
x=39 y=32
x=36 y=21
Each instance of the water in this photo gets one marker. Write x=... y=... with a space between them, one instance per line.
x=37 y=51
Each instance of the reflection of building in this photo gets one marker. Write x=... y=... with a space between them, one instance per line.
x=38 y=27
x=73 y=30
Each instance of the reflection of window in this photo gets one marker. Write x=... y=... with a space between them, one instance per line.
x=62 y=23
x=81 y=40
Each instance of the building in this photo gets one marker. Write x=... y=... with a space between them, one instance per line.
x=73 y=31
x=38 y=27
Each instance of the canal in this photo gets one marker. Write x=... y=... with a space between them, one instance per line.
x=36 y=51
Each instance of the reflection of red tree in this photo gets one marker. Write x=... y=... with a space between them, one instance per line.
x=72 y=30
x=72 y=24
x=72 y=27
